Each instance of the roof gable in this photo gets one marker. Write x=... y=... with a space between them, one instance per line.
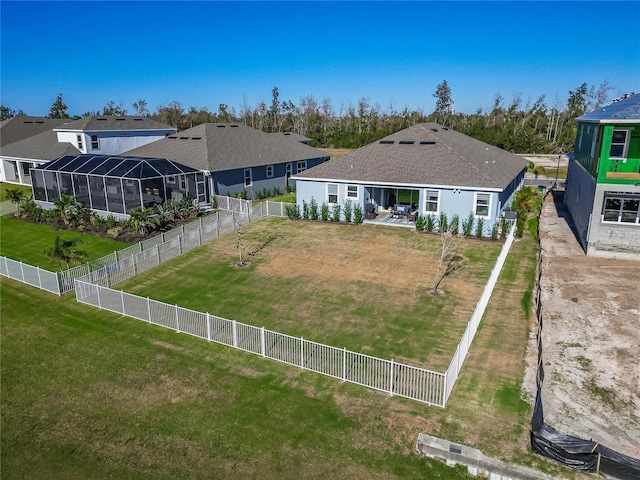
x=424 y=154
x=228 y=146
x=43 y=146
x=18 y=128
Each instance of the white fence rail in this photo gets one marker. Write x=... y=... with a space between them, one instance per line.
x=385 y=375
x=92 y=283
x=472 y=326
x=34 y=276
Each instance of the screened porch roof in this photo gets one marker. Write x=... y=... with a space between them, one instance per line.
x=117 y=166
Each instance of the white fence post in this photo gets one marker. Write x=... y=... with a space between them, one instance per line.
x=177 y=322
x=391 y=379
x=234 y=329
x=22 y=272
x=302 y=352
x=124 y=312
x=262 y=349
x=158 y=251
x=344 y=364
x=149 y=309
x=39 y=278
x=99 y=301
x=133 y=260
x=208 y=327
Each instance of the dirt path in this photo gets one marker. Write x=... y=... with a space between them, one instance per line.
x=591 y=338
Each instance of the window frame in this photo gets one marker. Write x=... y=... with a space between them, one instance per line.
x=269 y=171
x=353 y=197
x=625 y=144
x=288 y=169
x=301 y=166
x=95 y=144
x=623 y=198
x=80 y=141
x=329 y=194
x=476 y=198
x=249 y=177
x=426 y=200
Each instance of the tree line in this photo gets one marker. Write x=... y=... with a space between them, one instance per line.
x=516 y=125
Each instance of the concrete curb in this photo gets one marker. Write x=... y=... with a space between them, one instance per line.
x=474 y=460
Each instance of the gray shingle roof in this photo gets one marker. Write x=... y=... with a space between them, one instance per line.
x=227 y=146
x=110 y=122
x=18 y=128
x=43 y=146
x=424 y=154
x=625 y=110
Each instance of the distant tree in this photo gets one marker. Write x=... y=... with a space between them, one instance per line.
x=59 y=108
x=274 y=111
x=65 y=251
x=91 y=113
x=112 y=109
x=172 y=114
x=140 y=107
x=6 y=112
x=444 y=102
x=577 y=101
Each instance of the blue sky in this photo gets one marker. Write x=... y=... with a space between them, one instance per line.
x=392 y=53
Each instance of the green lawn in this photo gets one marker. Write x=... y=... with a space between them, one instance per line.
x=27 y=242
x=369 y=313
x=89 y=394
x=4 y=186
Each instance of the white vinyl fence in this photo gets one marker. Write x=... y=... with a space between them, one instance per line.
x=472 y=326
x=385 y=375
x=34 y=276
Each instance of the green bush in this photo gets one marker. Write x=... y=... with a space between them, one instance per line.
x=313 y=209
x=430 y=223
x=305 y=210
x=443 y=222
x=324 y=211
x=348 y=211
x=495 y=231
x=335 y=213
x=420 y=223
x=467 y=225
x=480 y=228
x=292 y=211
x=358 y=215
x=454 y=225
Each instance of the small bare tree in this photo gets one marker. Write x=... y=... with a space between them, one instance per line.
x=449 y=262
x=238 y=227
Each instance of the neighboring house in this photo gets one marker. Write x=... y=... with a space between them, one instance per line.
x=31 y=141
x=236 y=158
x=115 y=185
x=26 y=142
x=428 y=167
x=603 y=180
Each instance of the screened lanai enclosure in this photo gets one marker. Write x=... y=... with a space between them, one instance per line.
x=115 y=185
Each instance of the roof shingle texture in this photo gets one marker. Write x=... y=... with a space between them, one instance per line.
x=111 y=122
x=18 y=128
x=43 y=146
x=224 y=146
x=424 y=154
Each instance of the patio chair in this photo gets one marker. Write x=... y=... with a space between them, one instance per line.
x=370 y=211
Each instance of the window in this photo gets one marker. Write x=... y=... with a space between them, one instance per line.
x=269 y=171
x=332 y=193
x=247 y=177
x=302 y=166
x=95 y=142
x=79 y=138
x=482 y=204
x=288 y=170
x=352 y=192
x=432 y=200
x=619 y=144
x=621 y=208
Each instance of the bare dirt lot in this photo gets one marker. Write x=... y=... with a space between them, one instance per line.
x=590 y=337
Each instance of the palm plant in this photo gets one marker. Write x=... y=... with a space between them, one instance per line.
x=68 y=208
x=65 y=251
x=141 y=220
x=16 y=196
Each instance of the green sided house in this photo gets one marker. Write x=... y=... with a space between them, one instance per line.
x=422 y=170
x=603 y=181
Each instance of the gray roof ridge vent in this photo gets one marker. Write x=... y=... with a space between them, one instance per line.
x=427 y=142
x=387 y=142
x=406 y=142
